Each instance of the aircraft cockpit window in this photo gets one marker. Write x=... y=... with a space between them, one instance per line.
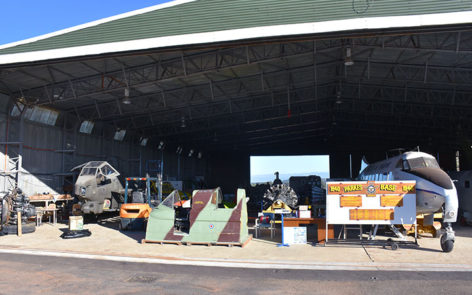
x=88 y=171
x=432 y=163
x=422 y=163
x=171 y=200
x=107 y=170
x=406 y=166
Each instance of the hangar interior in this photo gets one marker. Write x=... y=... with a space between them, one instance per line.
x=204 y=108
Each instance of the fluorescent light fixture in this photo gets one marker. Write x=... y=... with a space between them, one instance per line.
x=183 y=124
x=143 y=141
x=190 y=153
x=86 y=127
x=348 y=60
x=119 y=135
x=161 y=145
x=126 y=99
x=42 y=115
x=179 y=150
x=17 y=109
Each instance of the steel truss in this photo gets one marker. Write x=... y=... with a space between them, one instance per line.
x=266 y=91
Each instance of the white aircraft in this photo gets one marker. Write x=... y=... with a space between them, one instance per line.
x=434 y=188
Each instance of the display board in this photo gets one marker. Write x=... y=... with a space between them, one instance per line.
x=294 y=235
x=371 y=202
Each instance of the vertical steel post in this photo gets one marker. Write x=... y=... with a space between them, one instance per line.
x=126 y=191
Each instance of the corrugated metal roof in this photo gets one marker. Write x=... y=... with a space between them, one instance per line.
x=219 y=15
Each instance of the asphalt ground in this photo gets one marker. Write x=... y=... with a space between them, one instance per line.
x=29 y=274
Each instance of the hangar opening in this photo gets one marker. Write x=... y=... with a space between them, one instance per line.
x=263 y=168
x=204 y=94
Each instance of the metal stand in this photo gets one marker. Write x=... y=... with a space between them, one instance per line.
x=283 y=244
x=371 y=241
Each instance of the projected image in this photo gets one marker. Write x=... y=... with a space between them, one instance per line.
x=263 y=168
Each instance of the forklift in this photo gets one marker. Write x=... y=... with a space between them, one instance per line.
x=142 y=194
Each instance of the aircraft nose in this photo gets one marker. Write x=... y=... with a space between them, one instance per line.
x=435 y=175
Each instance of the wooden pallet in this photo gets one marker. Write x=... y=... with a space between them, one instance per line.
x=209 y=244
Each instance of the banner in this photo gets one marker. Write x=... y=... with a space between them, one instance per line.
x=371 y=202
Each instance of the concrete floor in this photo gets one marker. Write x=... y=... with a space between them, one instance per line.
x=106 y=239
x=26 y=274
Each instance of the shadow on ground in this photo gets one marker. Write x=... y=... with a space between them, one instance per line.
x=112 y=220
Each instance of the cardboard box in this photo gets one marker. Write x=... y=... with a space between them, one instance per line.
x=304 y=214
x=76 y=223
x=303 y=207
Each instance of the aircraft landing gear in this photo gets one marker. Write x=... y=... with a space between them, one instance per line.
x=447 y=239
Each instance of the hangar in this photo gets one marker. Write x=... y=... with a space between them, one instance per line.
x=223 y=80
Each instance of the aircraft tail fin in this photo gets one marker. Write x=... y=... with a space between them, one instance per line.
x=363 y=164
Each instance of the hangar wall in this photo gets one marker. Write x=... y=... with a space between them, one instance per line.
x=229 y=170
x=49 y=153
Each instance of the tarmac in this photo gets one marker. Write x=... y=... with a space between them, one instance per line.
x=108 y=243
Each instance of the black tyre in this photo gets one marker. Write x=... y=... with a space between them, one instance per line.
x=394 y=246
x=446 y=245
x=26 y=228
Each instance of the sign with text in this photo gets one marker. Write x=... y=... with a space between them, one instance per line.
x=294 y=235
x=371 y=202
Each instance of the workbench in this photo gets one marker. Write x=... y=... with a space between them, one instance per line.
x=50 y=207
x=49 y=198
x=320 y=222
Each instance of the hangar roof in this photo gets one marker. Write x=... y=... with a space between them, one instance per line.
x=185 y=22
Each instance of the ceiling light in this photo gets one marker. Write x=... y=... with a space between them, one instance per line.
x=348 y=60
x=179 y=150
x=199 y=155
x=160 y=146
x=143 y=141
x=190 y=153
x=183 y=124
x=338 y=98
x=126 y=99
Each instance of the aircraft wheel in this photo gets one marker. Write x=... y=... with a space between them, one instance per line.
x=394 y=246
x=446 y=245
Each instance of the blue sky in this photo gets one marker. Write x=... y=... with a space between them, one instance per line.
x=22 y=19
x=293 y=165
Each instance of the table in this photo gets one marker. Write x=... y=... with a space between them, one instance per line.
x=320 y=222
x=50 y=199
x=40 y=212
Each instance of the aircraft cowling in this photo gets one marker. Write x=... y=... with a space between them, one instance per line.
x=434 y=175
